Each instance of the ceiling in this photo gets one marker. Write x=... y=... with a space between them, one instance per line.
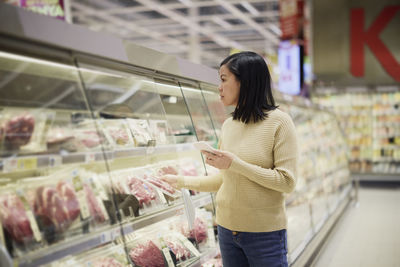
x=203 y=31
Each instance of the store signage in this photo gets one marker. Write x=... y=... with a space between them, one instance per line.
x=53 y=8
x=289 y=68
x=290 y=15
x=360 y=36
x=356 y=43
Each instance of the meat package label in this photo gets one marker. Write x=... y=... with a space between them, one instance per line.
x=189 y=245
x=81 y=197
x=161 y=195
x=168 y=257
x=31 y=217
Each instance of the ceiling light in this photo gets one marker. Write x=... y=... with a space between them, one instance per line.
x=222 y=23
x=186 y=2
x=275 y=29
x=250 y=8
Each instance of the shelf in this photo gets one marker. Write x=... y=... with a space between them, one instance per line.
x=33 y=162
x=103 y=235
x=376 y=177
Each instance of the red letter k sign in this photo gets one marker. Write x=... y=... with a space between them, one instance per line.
x=370 y=37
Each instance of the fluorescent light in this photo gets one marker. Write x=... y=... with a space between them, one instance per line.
x=250 y=8
x=53 y=64
x=222 y=22
x=186 y=2
x=275 y=29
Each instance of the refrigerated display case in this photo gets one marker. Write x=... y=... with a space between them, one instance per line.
x=89 y=124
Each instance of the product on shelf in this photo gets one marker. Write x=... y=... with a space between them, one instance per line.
x=61 y=138
x=117 y=132
x=147 y=254
x=14 y=218
x=89 y=136
x=140 y=131
x=159 y=129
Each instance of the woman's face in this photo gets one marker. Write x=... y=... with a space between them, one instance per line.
x=229 y=88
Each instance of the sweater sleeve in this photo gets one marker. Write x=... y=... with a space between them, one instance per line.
x=201 y=183
x=282 y=177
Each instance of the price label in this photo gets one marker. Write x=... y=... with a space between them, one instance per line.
x=29 y=214
x=90 y=157
x=105 y=237
x=168 y=257
x=161 y=195
x=10 y=165
x=27 y=163
x=55 y=161
x=192 y=248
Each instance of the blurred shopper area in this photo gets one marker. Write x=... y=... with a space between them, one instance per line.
x=100 y=99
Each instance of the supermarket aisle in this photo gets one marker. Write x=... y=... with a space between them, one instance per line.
x=368 y=235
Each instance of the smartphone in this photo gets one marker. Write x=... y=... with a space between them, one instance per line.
x=204 y=146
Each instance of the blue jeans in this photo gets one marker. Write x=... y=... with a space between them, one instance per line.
x=263 y=249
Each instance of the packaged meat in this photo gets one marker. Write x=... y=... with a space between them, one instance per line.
x=147 y=254
x=18 y=130
x=181 y=252
x=189 y=167
x=160 y=131
x=143 y=192
x=59 y=204
x=14 y=218
x=199 y=231
x=140 y=132
x=25 y=130
x=89 y=135
x=117 y=133
x=96 y=207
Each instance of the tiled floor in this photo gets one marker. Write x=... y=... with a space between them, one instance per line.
x=368 y=234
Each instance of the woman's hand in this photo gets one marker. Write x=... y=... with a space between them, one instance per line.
x=220 y=159
x=171 y=179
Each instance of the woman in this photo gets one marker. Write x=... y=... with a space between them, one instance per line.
x=257 y=161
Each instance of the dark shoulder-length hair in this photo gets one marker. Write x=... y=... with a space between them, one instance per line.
x=255 y=96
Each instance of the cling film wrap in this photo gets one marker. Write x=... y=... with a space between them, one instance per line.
x=24 y=131
x=140 y=131
x=17 y=219
x=117 y=133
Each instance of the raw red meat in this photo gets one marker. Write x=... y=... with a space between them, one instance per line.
x=14 y=218
x=18 y=130
x=68 y=194
x=51 y=207
x=199 y=231
x=107 y=262
x=91 y=139
x=147 y=255
x=119 y=135
x=161 y=184
x=167 y=170
x=57 y=207
x=94 y=206
x=144 y=193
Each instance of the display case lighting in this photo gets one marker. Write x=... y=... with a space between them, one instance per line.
x=53 y=64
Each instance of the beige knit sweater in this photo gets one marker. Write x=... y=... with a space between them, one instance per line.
x=251 y=192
